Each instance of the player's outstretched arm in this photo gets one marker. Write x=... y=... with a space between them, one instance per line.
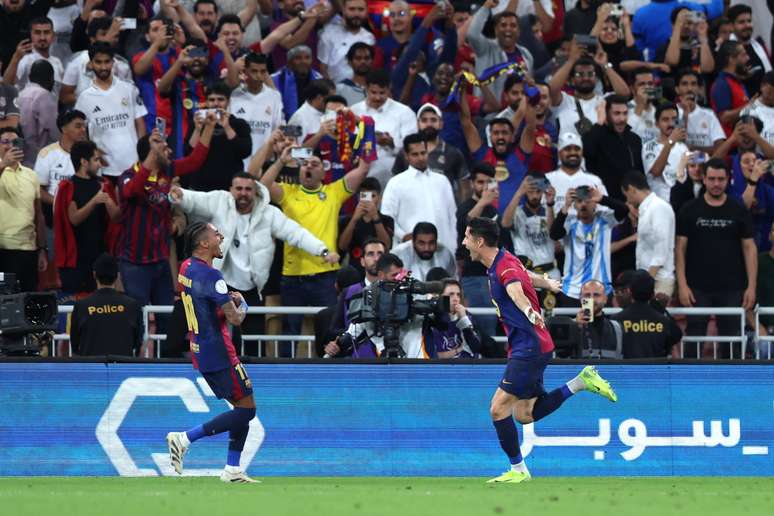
x=521 y=301
x=543 y=281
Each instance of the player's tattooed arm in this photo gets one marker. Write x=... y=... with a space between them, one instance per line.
x=233 y=314
x=521 y=301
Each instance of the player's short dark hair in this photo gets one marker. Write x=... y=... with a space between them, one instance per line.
x=98 y=24
x=316 y=88
x=665 y=106
x=231 y=19
x=612 y=100
x=413 y=139
x=486 y=228
x=636 y=179
x=372 y=241
x=100 y=47
x=371 y=184
x=511 y=80
x=424 y=228
x=378 y=77
x=716 y=163
x=501 y=121
x=338 y=99
x=735 y=11
x=200 y=2
x=482 y=167
x=219 y=88
x=41 y=20
x=68 y=116
x=193 y=235
x=360 y=46
x=105 y=269
x=256 y=58
x=683 y=72
x=82 y=150
x=386 y=261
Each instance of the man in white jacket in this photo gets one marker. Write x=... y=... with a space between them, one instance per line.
x=249 y=225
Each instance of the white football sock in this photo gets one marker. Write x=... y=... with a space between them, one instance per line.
x=576 y=385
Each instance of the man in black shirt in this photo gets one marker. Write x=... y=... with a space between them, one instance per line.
x=647 y=333
x=231 y=144
x=611 y=148
x=107 y=322
x=581 y=19
x=474 y=279
x=716 y=258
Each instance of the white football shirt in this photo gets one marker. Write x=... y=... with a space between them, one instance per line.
x=52 y=166
x=263 y=112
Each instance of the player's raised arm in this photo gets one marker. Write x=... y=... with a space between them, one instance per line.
x=236 y=309
x=521 y=301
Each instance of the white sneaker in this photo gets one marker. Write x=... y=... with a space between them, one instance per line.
x=177 y=448
x=234 y=475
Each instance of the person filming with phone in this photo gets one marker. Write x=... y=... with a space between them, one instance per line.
x=595 y=335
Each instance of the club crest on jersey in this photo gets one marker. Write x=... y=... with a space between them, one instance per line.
x=125 y=101
x=188 y=104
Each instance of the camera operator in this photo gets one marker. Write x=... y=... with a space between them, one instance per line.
x=452 y=334
x=600 y=336
x=647 y=331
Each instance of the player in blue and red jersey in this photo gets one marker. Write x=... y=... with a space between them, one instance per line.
x=209 y=306
x=530 y=346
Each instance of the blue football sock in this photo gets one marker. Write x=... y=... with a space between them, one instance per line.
x=547 y=403
x=233 y=419
x=236 y=443
x=509 y=439
x=195 y=433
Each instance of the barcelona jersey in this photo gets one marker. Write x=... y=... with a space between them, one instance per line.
x=525 y=340
x=204 y=292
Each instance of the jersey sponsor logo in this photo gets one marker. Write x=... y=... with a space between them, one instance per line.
x=194 y=401
x=221 y=287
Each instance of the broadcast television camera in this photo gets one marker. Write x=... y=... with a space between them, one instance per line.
x=388 y=304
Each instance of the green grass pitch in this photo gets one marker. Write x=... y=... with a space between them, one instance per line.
x=387 y=496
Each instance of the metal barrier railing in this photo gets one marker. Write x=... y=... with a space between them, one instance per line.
x=312 y=310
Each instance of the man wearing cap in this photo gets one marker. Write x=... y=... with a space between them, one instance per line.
x=570 y=173
x=441 y=156
x=647 y=333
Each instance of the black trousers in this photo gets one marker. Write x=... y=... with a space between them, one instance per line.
x=728 y=325
x=22 y=263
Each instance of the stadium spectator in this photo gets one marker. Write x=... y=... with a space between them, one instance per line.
x=256 y=103
x=530 y=222
x=758 y=197
x=689 y=45
x=86 y=205
x=366 y=223
x=442 y=157
x=15 y=18
x=17 y=70
x=9 y=109
x=107 y=322
x=423 y=253
x=581 y=110
x=249 y=226
x=759 y=64
x=53 y=164
x=393 y=121
x=339 y=35
x=745 y=138
x=325 y=338
x=616 y=39
x=586 y=245
x=360 y=57
x=705 y=133
x=611 y=146
x=570 y=173
x=689 y=183
x=231 y=143
x=662 y=156
x=715 y=233
x=651 y=24
x=296 y=83
x=581 y=18
x=763 y=107
x=114 y=112
x=481 y=203
x=647 y=333
x=420 y=195
x=728 y=96
x=765 y=295
x=78 y=74
x=146 y=214
x=452 y=334
x=642 y=116
x=598 y=336
x=309 y=116
x=307 y=280
x=38 y=110
x=655 y=232
x=504 y=48
x=22 y=227
x=391 y=45
x=314 y=19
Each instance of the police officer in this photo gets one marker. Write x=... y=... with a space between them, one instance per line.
x=107 y=322
x=647 y=332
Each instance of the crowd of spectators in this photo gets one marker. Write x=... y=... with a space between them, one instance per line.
x=320 y=135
